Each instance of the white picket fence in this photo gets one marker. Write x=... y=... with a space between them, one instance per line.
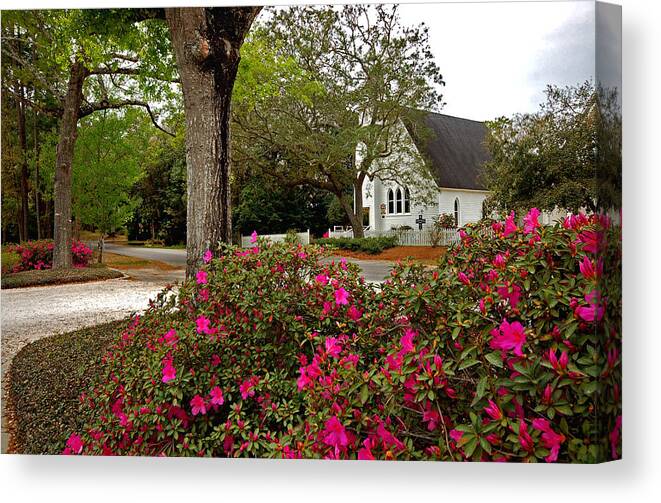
x=411 y=237
x=303 y=238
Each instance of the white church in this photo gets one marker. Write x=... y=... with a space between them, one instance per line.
x=456 y=151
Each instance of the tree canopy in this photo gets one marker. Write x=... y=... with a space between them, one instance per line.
x=332 y=87
x=551 y=158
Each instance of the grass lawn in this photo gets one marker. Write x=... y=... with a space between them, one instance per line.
x=45 y=381
x=421 y=254
x=56 y=277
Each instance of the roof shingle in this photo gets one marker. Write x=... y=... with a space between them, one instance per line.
x=455 y=147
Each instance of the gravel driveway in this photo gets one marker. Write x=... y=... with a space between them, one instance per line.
x=29 y=314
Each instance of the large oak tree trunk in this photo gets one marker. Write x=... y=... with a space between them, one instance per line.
x=64 y=158
x=207 y=44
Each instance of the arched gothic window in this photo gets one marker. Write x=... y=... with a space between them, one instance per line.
x=407 y=200
x=399 y=200
x=391 y=202
x=457 y=215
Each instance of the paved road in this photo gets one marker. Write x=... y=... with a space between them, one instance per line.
x=373 y=270
x=167 y=255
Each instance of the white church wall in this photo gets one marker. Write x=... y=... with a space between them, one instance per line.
x=470 y=204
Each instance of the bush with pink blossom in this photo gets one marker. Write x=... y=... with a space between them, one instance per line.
x=39 y=255
x=509 y=351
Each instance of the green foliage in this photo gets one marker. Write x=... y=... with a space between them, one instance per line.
x=45 y=398
x=371 y=245
x=316 y=84
x=45 y=277
x=267 y=207
x=109 y=156
x=509 y=351
x=551 y=158
x=160 y=191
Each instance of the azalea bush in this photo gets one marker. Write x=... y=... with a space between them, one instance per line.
x=509 y=351
x=39 y=255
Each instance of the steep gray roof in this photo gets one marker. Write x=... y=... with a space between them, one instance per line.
x=455 y=147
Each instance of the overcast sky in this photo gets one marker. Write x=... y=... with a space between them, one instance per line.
x=497 y=58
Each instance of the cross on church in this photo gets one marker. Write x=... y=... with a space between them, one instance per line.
x=420 y=221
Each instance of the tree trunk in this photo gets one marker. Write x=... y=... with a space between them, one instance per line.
x=64 y=158
x=207 y=42
x=37 y=193
x=355 y=212
x=23 y=212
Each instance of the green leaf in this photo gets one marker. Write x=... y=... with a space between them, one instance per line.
x=364 y=393
x=494 y=359
x=468 y=363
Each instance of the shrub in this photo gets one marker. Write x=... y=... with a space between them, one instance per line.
x=372 y=245
x=445 y=221
x=509 y=351
x=96 y=272
x=39 y=255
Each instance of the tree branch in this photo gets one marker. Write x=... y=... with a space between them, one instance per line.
x=105 y=105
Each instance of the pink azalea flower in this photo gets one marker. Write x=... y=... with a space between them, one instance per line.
x=511 y=294
x=407 y=341
x=509 y=337
x=614 y=436
x=198 y=405
x=499 y=261
x=204 y=294
x=326 y=235
x=494 y=411
x=203 y=327
x=525 y=439
x=548 y=394
x=456 y=435
x=589 y=270
x=333 y=347
x=74 y=445
x=217 y=396
x=341 y=296
x=550 y=438
x=321 y=278
x=170 y=338
x=302 y=255
x=208 y=255
x=169 y=372
x=365 y=452
x=253 y=237
x=343 y=263
x=564 y=360
x=334 y=434
x=354 y=313
x=591 y=240
x=431 y=416
x=463 y=278
x=510 y=226
x=595 y=309
x=388 y=439
x=247 y=387
x=201 y=277
x=530 y=222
